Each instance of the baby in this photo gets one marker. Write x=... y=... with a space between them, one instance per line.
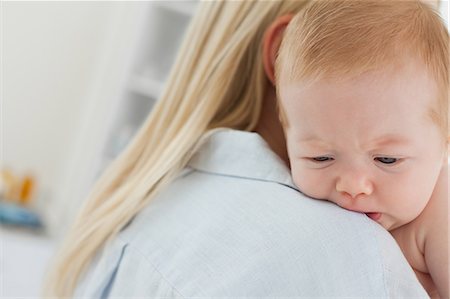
x=363 y=95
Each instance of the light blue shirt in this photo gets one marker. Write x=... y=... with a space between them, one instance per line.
x=234 y=225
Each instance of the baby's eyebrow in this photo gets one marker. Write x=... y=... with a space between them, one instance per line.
x=391 y=139
x=314 y=141
x=384 y=140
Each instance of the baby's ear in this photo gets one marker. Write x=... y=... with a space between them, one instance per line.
x=271 y=44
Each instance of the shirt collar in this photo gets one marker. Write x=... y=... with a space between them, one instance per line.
x=240 y=154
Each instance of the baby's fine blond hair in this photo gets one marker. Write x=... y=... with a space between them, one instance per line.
x=342 y=39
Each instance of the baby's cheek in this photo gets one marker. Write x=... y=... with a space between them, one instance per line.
x=309 y=182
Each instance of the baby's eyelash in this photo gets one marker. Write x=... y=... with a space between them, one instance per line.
x=387 y=160
x=321 y=159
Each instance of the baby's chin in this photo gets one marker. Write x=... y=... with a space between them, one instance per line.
x=390 y=223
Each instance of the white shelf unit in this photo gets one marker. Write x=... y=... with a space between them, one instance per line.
x=145 y=86
x=164 y=25
x=145 y=37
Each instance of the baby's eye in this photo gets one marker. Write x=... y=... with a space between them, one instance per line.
x=321 y=159
x=387 y=160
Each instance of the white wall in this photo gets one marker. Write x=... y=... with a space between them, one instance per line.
x=444 y=10
x=50 y=53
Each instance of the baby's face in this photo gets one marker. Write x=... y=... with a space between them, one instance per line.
x=366 y=144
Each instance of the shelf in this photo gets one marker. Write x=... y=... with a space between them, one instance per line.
x=145 y=86
x=185 y=7
x=134 y=109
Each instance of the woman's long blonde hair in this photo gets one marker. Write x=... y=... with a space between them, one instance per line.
x=217 y=80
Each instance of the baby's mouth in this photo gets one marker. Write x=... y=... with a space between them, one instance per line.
x=373 y=215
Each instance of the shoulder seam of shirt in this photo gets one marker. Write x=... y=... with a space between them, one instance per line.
x=242 y=177
x=137 y=250
x=185 y=172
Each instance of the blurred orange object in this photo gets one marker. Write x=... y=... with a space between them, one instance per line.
x=26 y=189
x=16 y=189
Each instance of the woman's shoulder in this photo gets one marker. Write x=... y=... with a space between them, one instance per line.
x=202 y=200
x=222 y=235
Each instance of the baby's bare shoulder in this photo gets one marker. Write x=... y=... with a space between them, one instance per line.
x=410 y=238
x=432 y=223
x=436 y=234
x=424 y=241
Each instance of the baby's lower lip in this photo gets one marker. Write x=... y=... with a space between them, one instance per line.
x=373 y=215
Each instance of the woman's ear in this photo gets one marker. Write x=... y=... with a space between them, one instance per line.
x=271 y=44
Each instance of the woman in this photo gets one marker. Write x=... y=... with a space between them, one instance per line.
x=192 y=210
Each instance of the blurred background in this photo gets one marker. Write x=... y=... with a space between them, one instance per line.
x=77 y=80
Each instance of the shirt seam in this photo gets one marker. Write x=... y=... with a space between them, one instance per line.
x=137 y=250
x=110 y=283
x=244 y=177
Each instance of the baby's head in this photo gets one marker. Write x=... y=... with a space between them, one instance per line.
x=363 y=90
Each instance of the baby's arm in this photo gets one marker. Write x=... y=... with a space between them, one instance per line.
x=435 y=234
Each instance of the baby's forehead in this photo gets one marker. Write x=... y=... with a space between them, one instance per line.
x=409 y=93
x=405 y=76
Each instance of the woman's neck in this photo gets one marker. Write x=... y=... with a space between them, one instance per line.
x=269 y=126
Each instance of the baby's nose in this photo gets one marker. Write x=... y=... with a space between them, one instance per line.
x=356 y=186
